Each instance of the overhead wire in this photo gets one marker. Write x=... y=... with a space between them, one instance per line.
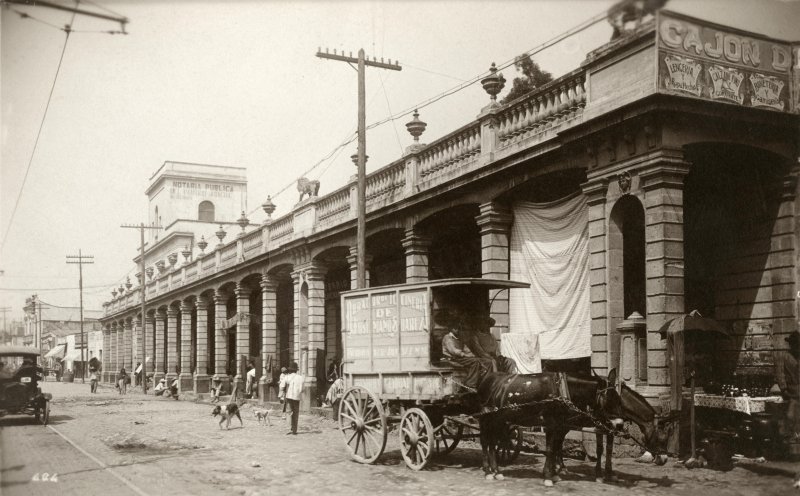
x=465 y=84
x=39 y=132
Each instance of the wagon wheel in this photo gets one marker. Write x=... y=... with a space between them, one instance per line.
x=509 y=445
x=416 y=438
x=447 y=436
x=363 y=424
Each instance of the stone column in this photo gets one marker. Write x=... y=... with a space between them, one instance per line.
x=663 y=185
x=106 y=361
x=595 y=191
x=352 y=260
x=126 y=346
x=242 y=333
x=161 y=347
x=172 y=344
x=494 y=222
x=201 y=378
x=220 y=340
x=269 y=335
x=315 y=277
x=186 y=381
x=299 y=336
x=136 y=343
x=116 y=330
x=416 y=247
x=150 y=335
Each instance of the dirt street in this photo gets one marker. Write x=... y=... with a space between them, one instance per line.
x=109 y=444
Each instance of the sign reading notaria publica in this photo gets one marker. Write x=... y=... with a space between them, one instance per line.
x=712 y=62
x=192 y=189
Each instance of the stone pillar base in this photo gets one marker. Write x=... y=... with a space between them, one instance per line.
x=309 y=397
x=225 y=382
x=202 y=383
x=266 y=391
x=171 y=376
x=186 y=381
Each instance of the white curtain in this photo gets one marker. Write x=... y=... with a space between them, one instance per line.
x=550 y=250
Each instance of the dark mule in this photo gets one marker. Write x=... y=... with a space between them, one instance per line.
x=536 y=399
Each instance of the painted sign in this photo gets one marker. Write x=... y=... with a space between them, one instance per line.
x=711 y=62
x=181 y=190
x=387 y=331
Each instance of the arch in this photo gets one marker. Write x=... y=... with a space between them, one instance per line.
x=388 y=264
x=547 y=187
x=205 y=211
x=453 y=230
x=627 y=291
x=738 y=241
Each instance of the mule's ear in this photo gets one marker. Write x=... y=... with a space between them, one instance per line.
x=612 y=376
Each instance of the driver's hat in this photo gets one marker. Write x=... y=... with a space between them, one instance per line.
x=163 y=380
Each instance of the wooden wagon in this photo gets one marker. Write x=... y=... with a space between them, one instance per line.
x=395 y=374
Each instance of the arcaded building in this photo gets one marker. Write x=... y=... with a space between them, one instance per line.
x=658 y=177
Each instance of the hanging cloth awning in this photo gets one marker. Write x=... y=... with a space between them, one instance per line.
x=56 y=352
x=75 y=356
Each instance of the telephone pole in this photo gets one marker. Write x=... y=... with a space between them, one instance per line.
x=5 y=329
x=143 y=288
x=361 y=236
x=81 y=259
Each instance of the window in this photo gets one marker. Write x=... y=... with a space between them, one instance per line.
x=205 y=212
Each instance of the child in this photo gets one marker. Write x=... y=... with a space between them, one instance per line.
x=282 y=390
x=215 y=390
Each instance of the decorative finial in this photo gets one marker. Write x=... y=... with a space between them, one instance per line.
x=243 y=222
x=149 y=272
x=416 y=127
x=202 y=244
x=268 y=208
x=128 y=283
x=221 y=235
x=186 y=253
x=493 y=83
x=354 y=158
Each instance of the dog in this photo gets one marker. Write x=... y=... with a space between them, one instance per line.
x=226 y=413
x=263 y=416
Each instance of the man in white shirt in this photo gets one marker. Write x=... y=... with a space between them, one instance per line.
x=294 y=389
x=251 y=380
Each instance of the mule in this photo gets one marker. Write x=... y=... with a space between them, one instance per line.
x=537 y=399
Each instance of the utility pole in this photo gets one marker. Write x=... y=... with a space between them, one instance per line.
x=143 y=288
x=361 y=235
x=5 y=329
x=81 y=259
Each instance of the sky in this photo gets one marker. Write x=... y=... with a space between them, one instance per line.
x=238 y=83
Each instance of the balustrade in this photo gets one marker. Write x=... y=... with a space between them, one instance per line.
x=383 y=183
x=282 y=227
x=450 y=153
x=252 y=241
x=555 y=103
x=333 y=208
x=227 y=255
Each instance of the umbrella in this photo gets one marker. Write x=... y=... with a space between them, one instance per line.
x=692 y=321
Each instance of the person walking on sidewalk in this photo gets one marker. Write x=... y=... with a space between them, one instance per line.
x=93 y=380
x=122 y=381
x=294 y=389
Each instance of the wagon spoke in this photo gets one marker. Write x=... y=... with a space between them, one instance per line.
x=372 y=421
x=355 y=433
x=358 y=440
x=347 y=416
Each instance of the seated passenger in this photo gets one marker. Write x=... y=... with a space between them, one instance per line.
x=484 y=345
x=455 y=349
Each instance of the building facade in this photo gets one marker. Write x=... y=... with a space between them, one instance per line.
x=680 y=137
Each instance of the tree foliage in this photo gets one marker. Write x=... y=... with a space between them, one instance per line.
x=532 y=78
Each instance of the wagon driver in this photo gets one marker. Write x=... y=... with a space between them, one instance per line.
x=456 y=350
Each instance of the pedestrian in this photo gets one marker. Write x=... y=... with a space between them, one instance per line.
x=137 y=377
x=93 y=380
x=791 y=386
x=251 y=379
x=216 y=389
x=160 y=387
x=294 y=390
x=122 y=381
x=282 y=391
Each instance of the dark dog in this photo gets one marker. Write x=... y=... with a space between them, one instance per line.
x=226 y=413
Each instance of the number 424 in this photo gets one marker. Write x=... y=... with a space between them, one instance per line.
x=44 y=477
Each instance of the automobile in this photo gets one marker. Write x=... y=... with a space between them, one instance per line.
x=20 y=392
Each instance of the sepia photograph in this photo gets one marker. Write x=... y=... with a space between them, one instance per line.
x=401 y=247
